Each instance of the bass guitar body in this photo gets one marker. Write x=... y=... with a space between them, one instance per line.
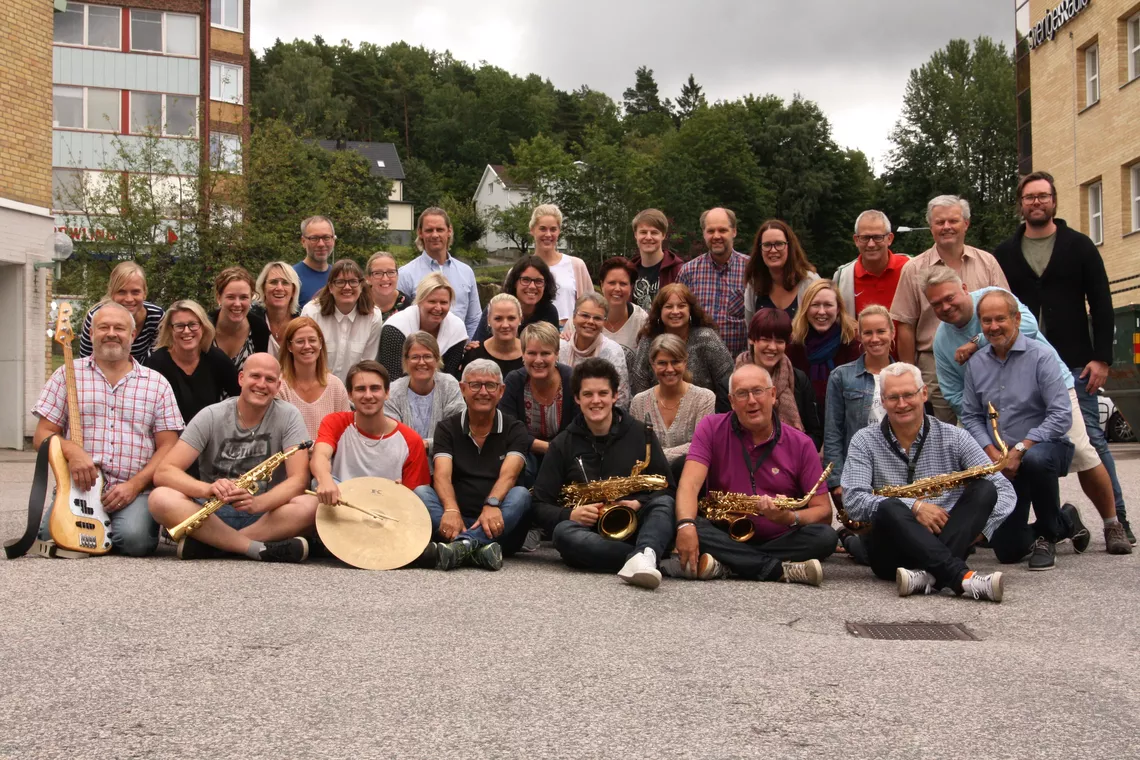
x=78 y=521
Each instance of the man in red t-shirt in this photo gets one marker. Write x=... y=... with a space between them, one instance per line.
x=874 y=275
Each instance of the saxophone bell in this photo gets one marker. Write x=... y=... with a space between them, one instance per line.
x=617 y=522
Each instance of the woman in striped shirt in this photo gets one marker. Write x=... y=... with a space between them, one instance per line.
x=127 y=287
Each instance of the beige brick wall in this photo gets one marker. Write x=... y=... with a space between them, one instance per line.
x=25 y=92
x=1080 y=144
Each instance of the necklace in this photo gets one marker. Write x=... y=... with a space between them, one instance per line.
x=661 y=402
x=241 y=420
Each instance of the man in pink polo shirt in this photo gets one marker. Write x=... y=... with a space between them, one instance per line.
x=748 y=451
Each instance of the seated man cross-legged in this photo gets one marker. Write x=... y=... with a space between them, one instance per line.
x=228 y=439
x=922 y=543
x=605 y=442
x=749 y=451
x=478 y=512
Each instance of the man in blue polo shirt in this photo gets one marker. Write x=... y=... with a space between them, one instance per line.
x=748 y=451
x=318 y=238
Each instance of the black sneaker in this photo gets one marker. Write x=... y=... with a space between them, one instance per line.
x=289 y=550
x=1044 y=556
x=1128 y=532
x=192 y=548
x=452 y=555
x=1080 y=534
x=488 y=556
x=430 y=557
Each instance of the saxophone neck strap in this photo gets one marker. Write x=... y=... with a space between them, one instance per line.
x=744 y=436
x=911 y=464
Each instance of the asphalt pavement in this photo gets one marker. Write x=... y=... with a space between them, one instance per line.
x=126 y=658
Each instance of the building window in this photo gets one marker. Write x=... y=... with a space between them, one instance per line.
x=1092 y=75
x=168 y=33
x=225 y=152
x=67 y=190
x=1134 y=47
x=168 y=115
x=86 y=108
x=1136 y=198
x=226 y=14
x=1096 y=212
x=226 y=82
x=79 y=192
x=89 y=26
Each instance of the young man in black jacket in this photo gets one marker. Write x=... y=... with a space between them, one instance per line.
x=603 y=442
x=1054 y=269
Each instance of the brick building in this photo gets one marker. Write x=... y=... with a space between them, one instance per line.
x=25 y=209
x=1078 y=66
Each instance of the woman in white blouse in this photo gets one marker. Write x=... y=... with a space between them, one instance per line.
x=569 y=272
x=351 y=324
x=585 y=340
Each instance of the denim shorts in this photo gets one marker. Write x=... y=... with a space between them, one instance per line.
x=234 y=518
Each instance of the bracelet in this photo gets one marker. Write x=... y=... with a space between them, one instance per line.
x=450 y=510
x=692 y=525
x=796 y=517
x=686 y=521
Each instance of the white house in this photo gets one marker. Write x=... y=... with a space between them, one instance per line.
x=497 y=191
x=384 y=160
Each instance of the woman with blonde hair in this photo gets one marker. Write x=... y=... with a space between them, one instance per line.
x=504 y=315
x=236 y=331
x=586 y=341
x=199 y=373
x=306 y=381
x=423 y=395
x=430 y=313
x=127 y=287
x=351 y=324
x=382 y=275
x=276 y=295
x=823 y=336
x=570 y=272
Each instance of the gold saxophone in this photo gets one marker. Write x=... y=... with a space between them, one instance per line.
x=936 y=484
x=248 y=481
x=736 y=509
x=614 y=520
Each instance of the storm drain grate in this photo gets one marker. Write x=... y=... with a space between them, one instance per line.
x=911 y=631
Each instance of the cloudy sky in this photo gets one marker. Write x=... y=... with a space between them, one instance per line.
x=850 y=56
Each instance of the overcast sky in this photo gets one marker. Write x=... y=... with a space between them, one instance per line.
x=850 y=56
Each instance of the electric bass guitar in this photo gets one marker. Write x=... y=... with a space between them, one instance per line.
x=78 y=520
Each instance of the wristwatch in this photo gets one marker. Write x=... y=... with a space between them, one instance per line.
x=1020 y=447
x=491 y=501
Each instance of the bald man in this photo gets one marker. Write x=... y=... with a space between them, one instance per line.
x=228 y=439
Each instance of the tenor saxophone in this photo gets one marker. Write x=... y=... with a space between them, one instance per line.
x=614 y=520
x=736 y=509
x=248 y=481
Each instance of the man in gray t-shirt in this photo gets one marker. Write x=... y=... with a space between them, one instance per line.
x=227 y=440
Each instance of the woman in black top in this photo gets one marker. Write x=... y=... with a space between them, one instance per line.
x=502 y=346
x=530 y=281
x=199 y=372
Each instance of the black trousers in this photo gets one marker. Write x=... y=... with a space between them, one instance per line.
x=763 y=560
x=897 y=539
x=586 y=549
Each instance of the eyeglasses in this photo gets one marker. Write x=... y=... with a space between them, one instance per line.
x=743 y=394
x=420 y=358
x=490 y=386
x=277 y=283
x=895 y=398
x=537 y=282
x=346 y=283
x=319 y=238
x=1037 y=197
x=590 y=317
x=775 y=245
x=864 y=239
x=192 y=327
x=302 y=342
x=386 y=274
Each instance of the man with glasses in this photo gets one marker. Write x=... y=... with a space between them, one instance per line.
x=716 y=278
x=318 y=239
x=922 y=543
x=1055 y=270
x=478 y=512
x=748 y=451
x=433 y=237
x=1021 y=379
x=873 y=276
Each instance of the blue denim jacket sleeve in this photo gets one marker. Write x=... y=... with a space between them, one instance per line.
x=834 y=424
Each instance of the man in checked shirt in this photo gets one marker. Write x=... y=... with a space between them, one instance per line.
x=130 y=420
x=716 y=278
x=922 y=543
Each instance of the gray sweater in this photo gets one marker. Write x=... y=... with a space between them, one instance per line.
x=446 y=401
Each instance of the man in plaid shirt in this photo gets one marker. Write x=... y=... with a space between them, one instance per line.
x=716 y=278
x=922 y=543
x=129 y=419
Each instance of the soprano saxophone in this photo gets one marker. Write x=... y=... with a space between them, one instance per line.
x=248 y=481
x=614 y=520
x=737 y=509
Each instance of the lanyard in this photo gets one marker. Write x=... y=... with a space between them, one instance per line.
x=911 y=464
x=765 y=451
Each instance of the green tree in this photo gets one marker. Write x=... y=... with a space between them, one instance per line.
x=691 y=98
x=299 y=89
x=513 y=224
x=958 y=135
x=645 y=112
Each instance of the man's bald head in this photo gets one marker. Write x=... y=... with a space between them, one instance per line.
x=749 y=374
x=260 y=378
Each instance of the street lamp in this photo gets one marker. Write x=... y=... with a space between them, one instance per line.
x=910 y=229
x=60 y=246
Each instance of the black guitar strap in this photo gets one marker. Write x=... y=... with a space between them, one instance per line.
x=18 y=547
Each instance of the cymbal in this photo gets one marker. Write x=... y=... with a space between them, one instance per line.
x=394 y=539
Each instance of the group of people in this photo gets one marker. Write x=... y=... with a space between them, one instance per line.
x=732 y=372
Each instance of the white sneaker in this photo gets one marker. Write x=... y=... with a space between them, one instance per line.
x=987 y=587
x=641 y=570
x=914 y=582
x=810 y=572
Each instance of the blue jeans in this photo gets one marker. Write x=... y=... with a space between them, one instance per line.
x=133 y=531
x=515 y=509
x=1036 y=484
x=1090 y=410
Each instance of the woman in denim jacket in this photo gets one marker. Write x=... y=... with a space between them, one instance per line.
x=853 y=399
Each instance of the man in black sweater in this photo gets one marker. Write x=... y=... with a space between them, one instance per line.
x=1053 y=269
x=603 y=442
